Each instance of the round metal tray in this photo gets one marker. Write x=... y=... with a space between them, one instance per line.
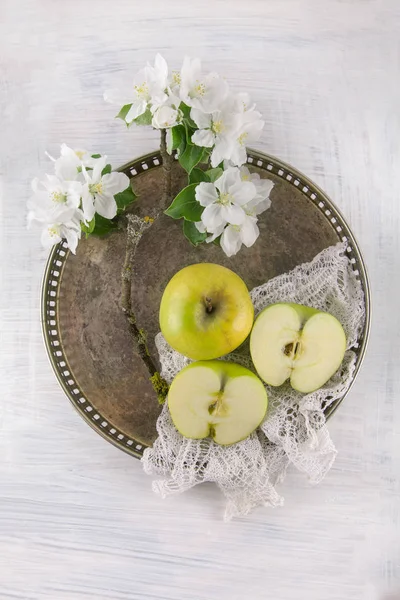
x=85 y=332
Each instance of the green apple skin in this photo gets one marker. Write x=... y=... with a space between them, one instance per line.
x=217 y=399
x=317 y=340
x=206 y=311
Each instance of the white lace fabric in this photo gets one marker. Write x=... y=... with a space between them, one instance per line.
x=294 y=430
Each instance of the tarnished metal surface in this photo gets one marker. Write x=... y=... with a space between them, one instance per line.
x=96 y=363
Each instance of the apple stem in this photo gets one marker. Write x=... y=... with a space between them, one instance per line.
x=134 y=230
x=167 y=160
x=208 y=303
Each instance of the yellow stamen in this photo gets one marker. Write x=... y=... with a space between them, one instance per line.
x=142 y=90
x=58 y=197
x=200 y=88
x=225 y=199
x=53 y=232
x=96 y=188
x=176 y=78
x=242 y=138
x=218 y=126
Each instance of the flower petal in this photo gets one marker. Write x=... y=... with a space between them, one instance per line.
x=50 y=235
x=66 y=167
x=245 y=173
x=95 y=175
x=120 y=97
x=200 y=226
x=215 y=93
x=164 y=117
x=105 y=206
x=138 y=108
x=249 y=231
x=87 y=204
x=114 y=183
x=160 y=64
x=243 y=192
x=217 y=232
x=206 y=193
x=263 y=187
x=233 y=214
x=257 y=206
x=230 y=241
x=202 y=120
x=72 y=238
x=238 y=155
x=227 y=180
x=220 y=152
x=203 y=137
x=212 y=217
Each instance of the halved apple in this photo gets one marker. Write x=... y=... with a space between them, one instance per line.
x=296 y=342
x=217 y=399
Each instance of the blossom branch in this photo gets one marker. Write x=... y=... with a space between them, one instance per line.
x=134 y=231
x=167 y=160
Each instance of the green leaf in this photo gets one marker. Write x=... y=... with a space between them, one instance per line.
x=88 y=229
x=186 y=115
x=103 y=226
x=191 y=157
x=123 y=112
x=96 y=156
x=106 y=170
x=214 y=174
x=198 y=175
x=178 y=135
x=191 y=233
x=144 y=119
x=206 y=156
x=125 y=198
x=185 y=205
x=217 y=240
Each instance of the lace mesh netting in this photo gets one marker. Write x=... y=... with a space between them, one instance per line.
x=294 y=430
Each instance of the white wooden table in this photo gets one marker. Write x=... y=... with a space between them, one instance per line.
x=78 y=519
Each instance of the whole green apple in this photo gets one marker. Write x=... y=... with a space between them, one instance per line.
x=296 y=342
x=206 y=311
x=217 y=399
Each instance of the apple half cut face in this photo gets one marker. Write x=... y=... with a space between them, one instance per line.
x=291 y=341
x=217 y=399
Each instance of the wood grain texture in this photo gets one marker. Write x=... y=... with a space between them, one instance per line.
x=78 y=519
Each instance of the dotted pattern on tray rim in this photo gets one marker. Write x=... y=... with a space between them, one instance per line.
x=60 y=253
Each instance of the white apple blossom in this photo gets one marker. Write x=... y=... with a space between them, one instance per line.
x=99 y=191
x=248 y=131
x=205 y=92
x=54 y=199
x=243 y=229
x=243 y=102
x=228 y=129
x=213 y=236
x=69 y=165
x=70 y=230
x=175 y=82
x=166 y=112
x=165 y=117
x=148 y=84
x=261 y=201
x=224 y=199
x=234 y=236
x=216 y=131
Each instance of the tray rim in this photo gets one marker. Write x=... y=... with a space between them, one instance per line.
x=136 y=448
